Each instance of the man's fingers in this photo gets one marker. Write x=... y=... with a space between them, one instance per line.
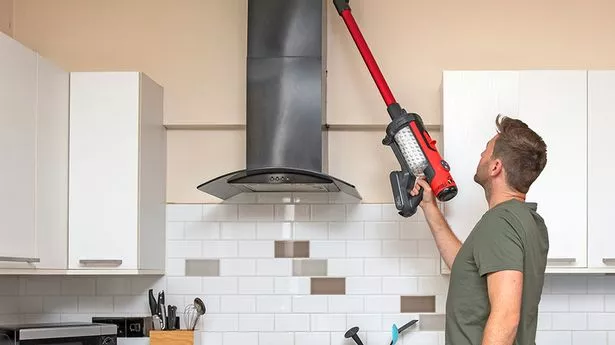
x=423 y=183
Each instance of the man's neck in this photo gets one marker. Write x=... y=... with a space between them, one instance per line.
x=496 y=196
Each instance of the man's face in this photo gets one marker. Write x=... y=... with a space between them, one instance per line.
x=482 y=170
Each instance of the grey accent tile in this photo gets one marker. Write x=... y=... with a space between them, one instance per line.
x=309 y=267
x=328 y=286
x=202 y=268
x=432 y=322
x=292 y=249
x=418 y=304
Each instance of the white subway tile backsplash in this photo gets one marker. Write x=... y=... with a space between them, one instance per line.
x=589 y=338
x=327 y=249
x=276 y=338
x=346 y=230
x=291 y=285
x=569 y=321
x=274 y=231
x=256 y=285
x=237 y=267
x=273 y=304
x=382 y=304
x=311 y=338
x=328 y=212
x=364 y=212
x=202 y=230
x=345 y=267
x=586 y=303
x=184 y=285
x=382 y=267
x=601 y=321
x=328 y=322
x=175 y=230
x=256 y=212
x=238 y=231
x=365 y=322
x=381 y=230
x=296 y=213
x=184 y=213
x=309 y=304
x=364 y=249
x=256 y=322
x=375 y=253
x=238 y=304
x=274 y=267
x=418 y=267
x=219 y=249
x=310 y=231
x=220 y=212
x=96 y=304
x=292 y=322
x=363 y=285
x=346 y=304
x=240 y=338
x=60 y=304
x=256 y=249
x=399 y=248
x=184 y=249
x=400 y=285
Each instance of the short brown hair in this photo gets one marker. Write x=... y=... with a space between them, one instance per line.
x=522 y=151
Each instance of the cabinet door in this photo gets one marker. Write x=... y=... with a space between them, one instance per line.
x=551 y=102
x=472 y=100
x=17 y=152
x=52 y=165
x=554 y=104
x=103 y=170
x=601 y=129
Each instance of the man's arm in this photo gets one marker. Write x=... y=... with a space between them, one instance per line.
x=504 y=289
x=448 y=244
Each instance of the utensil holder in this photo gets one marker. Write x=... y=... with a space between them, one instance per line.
x=175 y=337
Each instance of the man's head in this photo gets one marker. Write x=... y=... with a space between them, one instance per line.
x=515 y=156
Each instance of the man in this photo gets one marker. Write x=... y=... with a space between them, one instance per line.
x=497 y=274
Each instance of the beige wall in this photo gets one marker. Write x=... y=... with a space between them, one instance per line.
x=6 y=17
x=413 y=40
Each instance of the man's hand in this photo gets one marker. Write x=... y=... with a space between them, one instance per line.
x=505 y=291
x=428 y=197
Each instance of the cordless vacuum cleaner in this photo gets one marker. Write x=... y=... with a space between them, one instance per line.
x=406 y=135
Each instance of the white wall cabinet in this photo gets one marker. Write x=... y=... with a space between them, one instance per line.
x=34 y=148
x=568 y=192
x=117 y=173
x=17 y=154
x=601 y=169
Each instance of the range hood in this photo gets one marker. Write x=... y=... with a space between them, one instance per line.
x=286 y=138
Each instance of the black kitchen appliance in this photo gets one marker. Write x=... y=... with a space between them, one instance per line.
x=75 y=333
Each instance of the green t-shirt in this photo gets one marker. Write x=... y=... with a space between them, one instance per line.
x=509 y=236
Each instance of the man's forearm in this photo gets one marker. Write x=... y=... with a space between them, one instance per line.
x=500 y=329
x=448 y=244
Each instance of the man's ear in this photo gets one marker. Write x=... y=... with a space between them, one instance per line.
x=496 y=167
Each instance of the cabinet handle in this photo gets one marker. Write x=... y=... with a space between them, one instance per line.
x=608 y=261
x=18 y=259
x=561 y=260
x=101 y=262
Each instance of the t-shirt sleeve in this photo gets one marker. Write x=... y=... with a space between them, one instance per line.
x=498 y=247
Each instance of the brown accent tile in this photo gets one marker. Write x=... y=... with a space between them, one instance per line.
x=418 y=304
x=328 y=286
x=292 y=249
x=432 y=322
x=309 y=267
x=202 y=268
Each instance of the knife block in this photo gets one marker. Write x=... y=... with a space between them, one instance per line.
x=175 y=337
